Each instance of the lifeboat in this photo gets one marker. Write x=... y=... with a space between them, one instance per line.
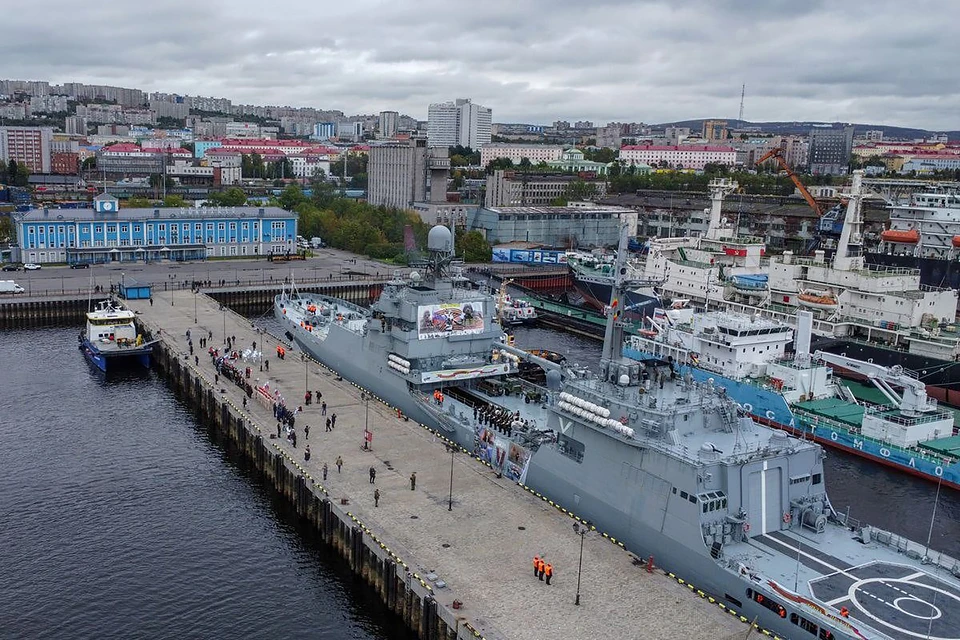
x=956 y=241
x=817 y=300
x=911 y=236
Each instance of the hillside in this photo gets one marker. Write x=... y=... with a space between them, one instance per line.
x=802 y=128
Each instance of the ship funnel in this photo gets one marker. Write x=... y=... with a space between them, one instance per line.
x=804 y=331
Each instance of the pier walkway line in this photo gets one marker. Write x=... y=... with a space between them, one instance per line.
x=482 y=548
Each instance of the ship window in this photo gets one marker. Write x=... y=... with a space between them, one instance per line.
x=684 y=495
x=769 y=603
x=804 y=624
x=571 y=448
x=692 y=499
x=817 y=478
x=733 y=600
x=674 y=491
x=706 y=505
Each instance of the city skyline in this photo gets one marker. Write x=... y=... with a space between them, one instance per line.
x=530 y=62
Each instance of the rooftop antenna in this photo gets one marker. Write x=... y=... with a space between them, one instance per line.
x=743 y=91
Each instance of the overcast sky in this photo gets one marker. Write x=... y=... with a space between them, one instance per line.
x=882 y=61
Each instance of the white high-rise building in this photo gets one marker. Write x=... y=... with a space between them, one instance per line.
x=460 y=122
x=389 y=122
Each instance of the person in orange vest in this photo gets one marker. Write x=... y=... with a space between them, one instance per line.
x=844 y=612
x=541 y=567
x=548 y=571
x=536 y=566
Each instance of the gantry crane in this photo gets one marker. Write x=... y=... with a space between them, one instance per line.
x=777 y=154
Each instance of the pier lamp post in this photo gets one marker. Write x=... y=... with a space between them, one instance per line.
x=580 y=530
x=195 y=291
x=224 y=310
x=453 y=452
x=366 y=420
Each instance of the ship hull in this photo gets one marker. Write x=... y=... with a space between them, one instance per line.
x=597 y=295
x=935 y=272
x=105 y=360
x=928 y=466
x=554 y=474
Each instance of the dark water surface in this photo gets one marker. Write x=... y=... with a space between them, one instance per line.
x=120 y=518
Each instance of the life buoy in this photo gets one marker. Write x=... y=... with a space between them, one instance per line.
x=746 y=527
x=787 y=517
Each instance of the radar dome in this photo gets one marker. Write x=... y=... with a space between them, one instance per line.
x=415 y=276
x=440 y=239
x=554 y=380
x=624 y=380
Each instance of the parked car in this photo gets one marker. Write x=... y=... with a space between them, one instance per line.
x=13 y=266
x=31 y=266
x=80 y=265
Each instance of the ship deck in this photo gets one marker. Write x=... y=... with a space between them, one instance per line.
x=889 y=591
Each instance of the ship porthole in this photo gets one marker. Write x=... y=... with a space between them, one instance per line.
x=870 y=360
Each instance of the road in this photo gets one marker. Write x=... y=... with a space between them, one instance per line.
x=326 y=264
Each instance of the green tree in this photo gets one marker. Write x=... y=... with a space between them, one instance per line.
x=605 y=155
x=578 y=190
x=173 y=201
x=137 y=203
x=499 y=163
x=323 y=190
x=291 y=197
x=12 y=171
x=232 y=197
x=89 y=163
x=525 y=164
x=22 y=178
x=7 y=230
x=473 y=246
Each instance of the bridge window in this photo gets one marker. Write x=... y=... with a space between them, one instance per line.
x=817 y=478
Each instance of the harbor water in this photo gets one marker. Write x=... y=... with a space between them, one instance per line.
x=121 y=518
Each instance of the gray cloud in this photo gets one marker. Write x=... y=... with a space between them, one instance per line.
x=882 y=61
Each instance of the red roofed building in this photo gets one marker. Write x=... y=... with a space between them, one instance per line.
x=683 y=156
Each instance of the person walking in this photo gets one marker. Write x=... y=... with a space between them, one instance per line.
x=373 y=475
x=333 y=422
x=278 y=428
x=306 y=432
x=536 y=566
x=306 y=453
x=323 y=407
x=413 y=481
x=376 y=497
x=339 y=463
x=541 y=568
x=548 y=571
x=324 y=471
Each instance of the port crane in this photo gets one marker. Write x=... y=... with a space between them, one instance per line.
x=912 y=402
x=777 y=154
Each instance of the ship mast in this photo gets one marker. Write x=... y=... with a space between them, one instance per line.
x=849 y=256
x=613 y=335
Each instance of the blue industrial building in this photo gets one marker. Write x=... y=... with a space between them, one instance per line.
x=107 y=233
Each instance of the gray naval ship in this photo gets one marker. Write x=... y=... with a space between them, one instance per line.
x=672 y=468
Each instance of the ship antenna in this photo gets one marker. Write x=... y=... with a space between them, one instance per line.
x=926 y=553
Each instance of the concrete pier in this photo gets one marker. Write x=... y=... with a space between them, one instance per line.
x=464 y=572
